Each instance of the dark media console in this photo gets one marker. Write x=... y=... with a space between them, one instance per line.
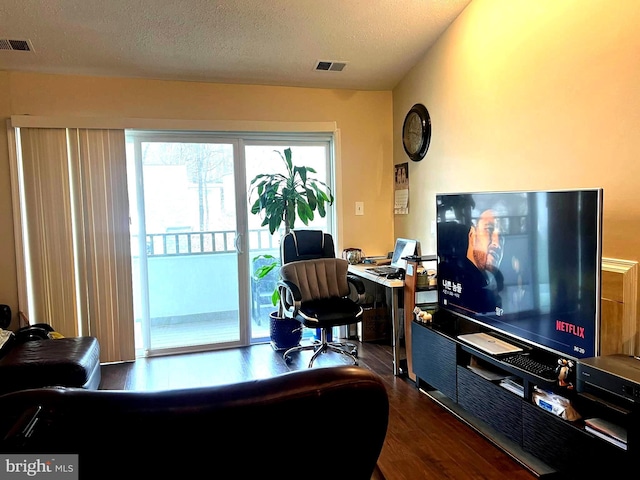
x=470 y=383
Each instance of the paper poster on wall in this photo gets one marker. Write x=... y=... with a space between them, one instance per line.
x=401 y=190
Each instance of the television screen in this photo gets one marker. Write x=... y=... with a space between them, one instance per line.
x=526 y=264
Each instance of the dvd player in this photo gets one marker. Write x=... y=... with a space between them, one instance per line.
x=617 y=374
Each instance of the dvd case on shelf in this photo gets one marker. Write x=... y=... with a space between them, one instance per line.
x=512 y=386
x=607 y=430
x=606 y=437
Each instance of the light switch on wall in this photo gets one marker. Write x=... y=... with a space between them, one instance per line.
x=359 y=208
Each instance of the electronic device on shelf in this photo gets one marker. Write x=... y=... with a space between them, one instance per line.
x=541 y=285
x=617 y=374
x=403 y=248
x=489 y=344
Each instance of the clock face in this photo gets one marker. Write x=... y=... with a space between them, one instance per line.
x=416 y=132
x=413 y=133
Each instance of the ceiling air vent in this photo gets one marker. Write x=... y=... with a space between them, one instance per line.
x=19 y=45
x=325 y=66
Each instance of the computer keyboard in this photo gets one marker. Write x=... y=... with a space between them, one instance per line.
x=383 y=270
x=528 y=364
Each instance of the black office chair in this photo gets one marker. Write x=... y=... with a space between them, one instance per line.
x=318 y=291
x=306 y=245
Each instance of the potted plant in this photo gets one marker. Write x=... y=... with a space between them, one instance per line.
x=284 y=198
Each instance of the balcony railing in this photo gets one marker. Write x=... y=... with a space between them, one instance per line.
x=185 y=280
x=199 y=243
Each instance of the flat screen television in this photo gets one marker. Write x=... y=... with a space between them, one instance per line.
x=526 y=264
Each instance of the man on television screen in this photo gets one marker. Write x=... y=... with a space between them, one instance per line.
x=474 y=281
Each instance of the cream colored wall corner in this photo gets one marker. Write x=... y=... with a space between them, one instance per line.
x=530 y=95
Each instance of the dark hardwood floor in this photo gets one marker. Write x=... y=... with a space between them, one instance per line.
x=424 y=440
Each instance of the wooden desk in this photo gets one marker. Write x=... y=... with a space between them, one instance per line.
x=395 y=286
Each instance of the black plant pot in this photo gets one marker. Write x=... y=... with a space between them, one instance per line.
x=285 y=332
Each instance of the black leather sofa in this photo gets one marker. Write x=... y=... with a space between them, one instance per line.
x=315 y=423
x=35 y=363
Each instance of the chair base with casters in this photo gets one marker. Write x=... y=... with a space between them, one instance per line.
x=348 y=350
x=352 y=348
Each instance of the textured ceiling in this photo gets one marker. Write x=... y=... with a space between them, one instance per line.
x=268 y=42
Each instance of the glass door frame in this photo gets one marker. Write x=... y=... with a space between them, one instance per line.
x=239 y=140
x=282 y=141
x=138 y=137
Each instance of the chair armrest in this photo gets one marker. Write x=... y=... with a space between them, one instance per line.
x=358 y=284
x=290 y=297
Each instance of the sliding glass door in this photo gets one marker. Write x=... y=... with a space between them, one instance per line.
x=184 y=242
x=194 y=256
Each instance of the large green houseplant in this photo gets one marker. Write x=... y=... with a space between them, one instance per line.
x=284 y=198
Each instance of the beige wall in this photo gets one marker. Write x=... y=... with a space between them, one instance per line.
x=531 y=95
x=526 y=94
x=8 y=282
x=364 y=120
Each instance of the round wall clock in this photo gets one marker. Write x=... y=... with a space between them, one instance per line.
x=416 y=132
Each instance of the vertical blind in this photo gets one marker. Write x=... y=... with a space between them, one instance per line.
x=75 y=223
